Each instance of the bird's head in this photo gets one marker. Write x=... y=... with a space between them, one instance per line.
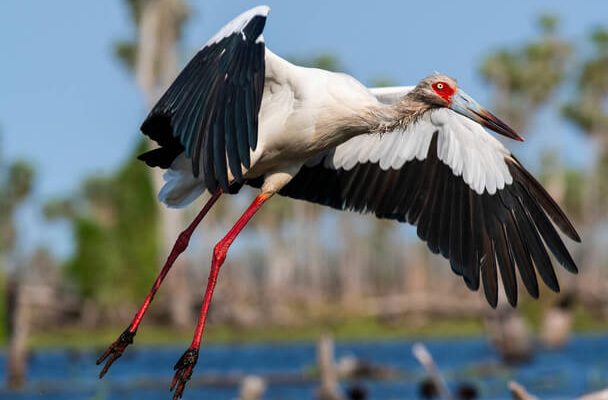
x=442 y=91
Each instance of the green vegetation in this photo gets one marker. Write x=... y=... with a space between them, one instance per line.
x=351 y=328
x=356 y=328
x=16 y=183
x=588 y=111
x=525 y=78
x=114 y=220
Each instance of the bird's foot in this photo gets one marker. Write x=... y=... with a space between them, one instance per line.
x=183 y=372
x=115 y=350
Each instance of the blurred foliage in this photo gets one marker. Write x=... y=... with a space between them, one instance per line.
x=115 y=223
x=343 y=328
x=525 y=77
x=327 y=61
x=125 y=50
x=16 y=181
x=16 y=184
x=115 y=218
x=59 y=208
x=382 y=81
x=572 y=184
x=589 y=110
x=573 y=199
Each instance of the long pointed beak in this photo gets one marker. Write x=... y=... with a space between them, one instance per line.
x=464 y=104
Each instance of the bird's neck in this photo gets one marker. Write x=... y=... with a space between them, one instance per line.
x=376 y=118
x=390 y=117
x=400 y=115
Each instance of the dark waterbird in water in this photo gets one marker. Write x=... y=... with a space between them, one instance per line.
x=240 y=115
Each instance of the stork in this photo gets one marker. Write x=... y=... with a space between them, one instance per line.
x=238 y=114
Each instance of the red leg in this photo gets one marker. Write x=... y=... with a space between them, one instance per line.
x=126 y=338
x=185 y=365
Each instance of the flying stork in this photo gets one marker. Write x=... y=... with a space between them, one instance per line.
x=238 y=114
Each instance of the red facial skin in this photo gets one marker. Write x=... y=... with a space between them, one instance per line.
x=444 y=91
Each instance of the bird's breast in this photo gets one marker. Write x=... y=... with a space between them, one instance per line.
x=300 y=120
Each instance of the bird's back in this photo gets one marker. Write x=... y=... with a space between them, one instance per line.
x=303 y=110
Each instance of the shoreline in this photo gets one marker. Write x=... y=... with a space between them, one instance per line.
x=347 y=329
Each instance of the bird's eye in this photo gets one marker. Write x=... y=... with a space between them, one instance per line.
x=443 y=89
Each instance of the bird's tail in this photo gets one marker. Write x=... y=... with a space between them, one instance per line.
x=181 y=187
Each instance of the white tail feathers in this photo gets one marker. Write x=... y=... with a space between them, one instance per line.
x=181 y=187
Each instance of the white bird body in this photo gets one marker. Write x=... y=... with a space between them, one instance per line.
x=239 y=114
x=303 y=112
x=301 y=115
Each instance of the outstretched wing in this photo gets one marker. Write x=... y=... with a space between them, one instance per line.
x=211 y=109
x=471 y=200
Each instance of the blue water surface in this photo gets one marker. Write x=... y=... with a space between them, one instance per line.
x=144 y=372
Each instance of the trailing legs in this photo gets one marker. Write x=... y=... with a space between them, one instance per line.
x=116 y=349
x=184 y=366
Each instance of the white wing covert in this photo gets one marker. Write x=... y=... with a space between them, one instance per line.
x=470 y=199
x=462 y=144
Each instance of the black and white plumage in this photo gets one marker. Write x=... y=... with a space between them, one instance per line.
x=226 y=79
x=239 y=114
x=471 y=200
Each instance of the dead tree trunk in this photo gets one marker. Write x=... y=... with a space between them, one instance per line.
x=18 y=328
x=155 y=68
x=328 y=389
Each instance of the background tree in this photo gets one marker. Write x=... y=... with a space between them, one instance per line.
x=525 y=78
x=152 y=57
x=115 y=222
x=588 y=111
x=16 y=182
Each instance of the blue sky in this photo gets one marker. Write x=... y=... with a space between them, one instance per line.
x=71 y=109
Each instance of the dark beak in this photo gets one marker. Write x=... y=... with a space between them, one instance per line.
x=464 y=104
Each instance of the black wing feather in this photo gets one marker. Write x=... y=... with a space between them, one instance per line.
x=469 y=270
x=444 y=218
x=478 y=233
x=211 y=109
x=456 y=232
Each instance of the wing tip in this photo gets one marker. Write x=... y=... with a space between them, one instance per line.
x=240 y=23
x=157 y=126
x=512 y=300
x=553 y=210
x=261 y=10
x=492 y=302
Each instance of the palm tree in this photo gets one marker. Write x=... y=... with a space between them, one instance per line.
x=152 y=57
x=15 y=186
x=525 y=78
x=587 y=110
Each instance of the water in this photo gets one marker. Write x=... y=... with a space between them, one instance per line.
x=145 y=372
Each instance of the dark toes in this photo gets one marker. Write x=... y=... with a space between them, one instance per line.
x=183 y=372
x=115 y=351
